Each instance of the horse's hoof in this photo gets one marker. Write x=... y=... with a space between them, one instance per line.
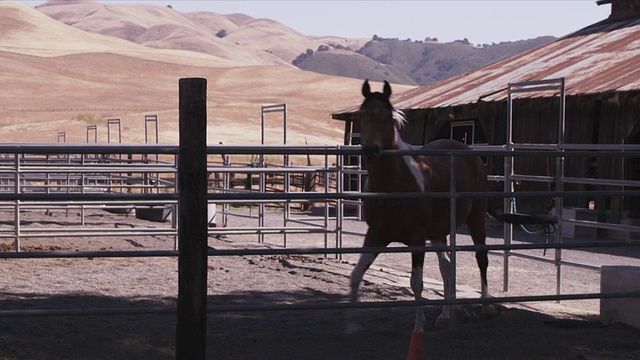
x=442 y=323
x=352 y=328
x=489 y=311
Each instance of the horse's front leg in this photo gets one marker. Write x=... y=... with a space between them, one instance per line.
x=445 y=270
x=417 y=285
x=364 y=262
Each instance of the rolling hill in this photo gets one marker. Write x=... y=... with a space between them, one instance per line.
x=235 y=37
x=58 y=78
x=241 y=38
x=412 y=62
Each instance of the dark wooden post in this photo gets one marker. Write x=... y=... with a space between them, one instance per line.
x=191 y=321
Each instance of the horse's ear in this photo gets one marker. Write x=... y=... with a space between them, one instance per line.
x=387 y=89
x=366 y=89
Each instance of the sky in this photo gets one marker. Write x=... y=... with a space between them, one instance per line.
x=480 y=22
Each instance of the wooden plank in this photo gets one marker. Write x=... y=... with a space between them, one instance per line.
x=192 y=221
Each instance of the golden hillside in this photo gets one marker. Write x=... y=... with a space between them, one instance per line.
x=56 y=77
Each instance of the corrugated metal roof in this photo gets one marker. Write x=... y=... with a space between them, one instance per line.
x=603 y=57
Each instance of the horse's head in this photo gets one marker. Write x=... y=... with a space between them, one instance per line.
x=378 y=119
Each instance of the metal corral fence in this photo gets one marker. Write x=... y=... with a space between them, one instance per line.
x=121 y=177
x=125 y=179
x=109 y=171
x=62 y=178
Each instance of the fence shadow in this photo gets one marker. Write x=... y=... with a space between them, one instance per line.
x=313 y=334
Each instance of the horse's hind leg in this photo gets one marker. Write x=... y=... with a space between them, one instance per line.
x=417 y=265
x=477 y=229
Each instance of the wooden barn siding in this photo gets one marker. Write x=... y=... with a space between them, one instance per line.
x=599 y=118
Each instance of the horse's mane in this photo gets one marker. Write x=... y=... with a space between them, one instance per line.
x=399 y=117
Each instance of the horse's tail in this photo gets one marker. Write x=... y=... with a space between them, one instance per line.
x=522 y=219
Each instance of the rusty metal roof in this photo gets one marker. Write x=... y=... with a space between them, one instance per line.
x=603 y=57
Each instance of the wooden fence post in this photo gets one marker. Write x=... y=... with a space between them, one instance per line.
x=191 y=324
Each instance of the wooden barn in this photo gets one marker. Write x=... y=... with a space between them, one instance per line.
x=600 y=65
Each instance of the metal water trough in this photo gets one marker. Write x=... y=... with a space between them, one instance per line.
x=154 y=213
x=119 y=210
x=162 y=213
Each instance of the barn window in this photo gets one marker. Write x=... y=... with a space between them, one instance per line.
x=463 y=131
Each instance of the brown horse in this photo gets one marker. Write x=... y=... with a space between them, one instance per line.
x=414 y=221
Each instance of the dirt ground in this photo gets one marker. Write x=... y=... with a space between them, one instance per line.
x=567 y=330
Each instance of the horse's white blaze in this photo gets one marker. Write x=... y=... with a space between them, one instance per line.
x=412 y=164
